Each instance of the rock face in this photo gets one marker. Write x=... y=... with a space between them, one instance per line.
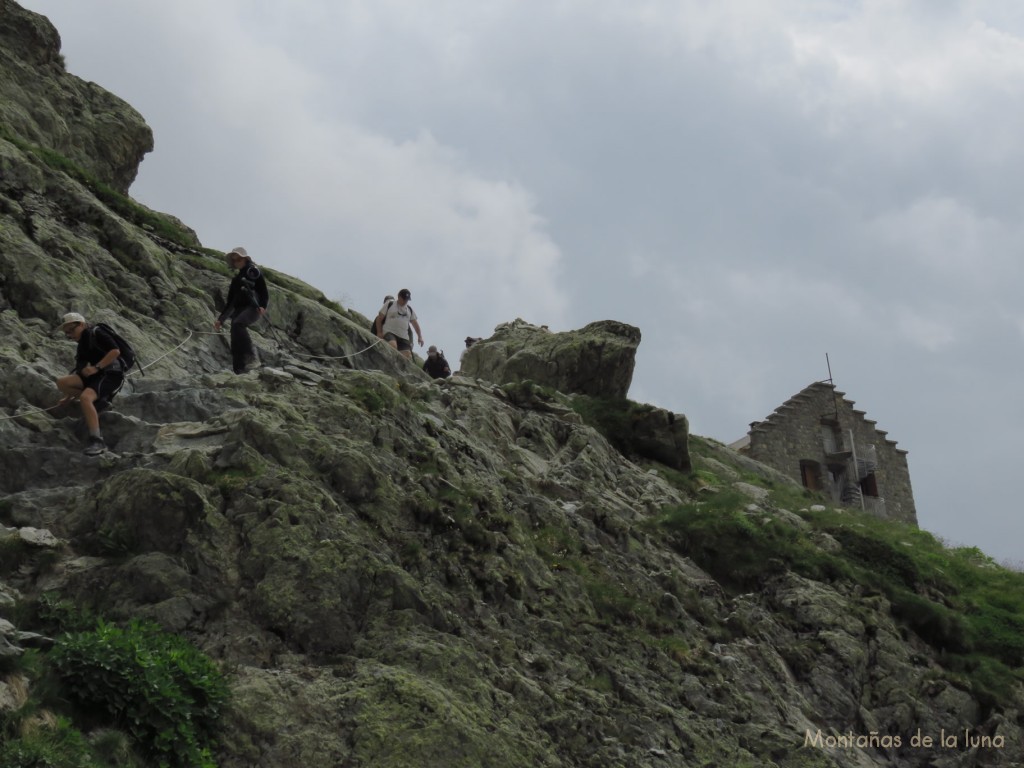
x=663 y=436
x=42 y=104
x=397 y=572
x=596 y=360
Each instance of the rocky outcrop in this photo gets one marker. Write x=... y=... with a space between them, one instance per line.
x=661 y=436
x=42 y=104
x=596 y=360
x=396 y=572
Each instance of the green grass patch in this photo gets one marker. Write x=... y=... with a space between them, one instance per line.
x=742 y=549
x=957 y=600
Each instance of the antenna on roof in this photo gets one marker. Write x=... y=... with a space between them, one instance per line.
x=833 y=385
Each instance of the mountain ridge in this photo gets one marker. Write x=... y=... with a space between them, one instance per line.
x=390 y=571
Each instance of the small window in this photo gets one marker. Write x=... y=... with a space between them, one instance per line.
x=869 y=485
x=810 y=474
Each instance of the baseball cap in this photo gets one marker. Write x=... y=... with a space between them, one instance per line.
x=71 y=318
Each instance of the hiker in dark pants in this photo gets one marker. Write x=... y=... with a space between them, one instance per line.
x=435 y=365
x=97 y=376
x=247 y=302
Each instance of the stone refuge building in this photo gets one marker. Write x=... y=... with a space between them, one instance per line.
x=818 y=438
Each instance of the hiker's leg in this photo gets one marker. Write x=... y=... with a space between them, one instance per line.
x=92 y=418
x=108 y=385
x=70 y=386
x=241 y=341
x=405 y=348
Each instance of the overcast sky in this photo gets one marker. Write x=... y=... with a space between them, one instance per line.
x=754 y=184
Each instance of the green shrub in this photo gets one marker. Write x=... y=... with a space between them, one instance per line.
x=166 y=694
x=61 y=746
x=612 y=417
x=52 y=615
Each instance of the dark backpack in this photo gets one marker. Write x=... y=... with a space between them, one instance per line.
x=127 y=356
x=373 y=323
x=247 y=287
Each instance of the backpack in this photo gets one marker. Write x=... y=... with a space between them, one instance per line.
x=127 y=356
x=373 y=323
x=247 y=286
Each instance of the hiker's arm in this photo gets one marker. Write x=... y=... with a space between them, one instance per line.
x=229 y=303
x=262 y=294
x=419 y=333
x=105 y=361
x=109 y=358
x=380 y=326
x=101 y=342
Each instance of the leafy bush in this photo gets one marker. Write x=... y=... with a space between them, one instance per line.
x=53 y=615
x=156 y=686
x=60 y=746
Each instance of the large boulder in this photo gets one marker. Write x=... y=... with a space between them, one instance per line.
x=663 y=436
x=58 y=112
x=596 y=360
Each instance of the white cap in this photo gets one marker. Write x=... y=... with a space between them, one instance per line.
x=71 y=318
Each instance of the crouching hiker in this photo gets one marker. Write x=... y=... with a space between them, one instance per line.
x=435 y=364
x=97 y=376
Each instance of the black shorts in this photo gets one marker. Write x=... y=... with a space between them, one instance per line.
x=404 y=345
x=105 y=383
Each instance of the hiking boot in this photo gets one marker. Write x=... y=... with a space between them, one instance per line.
x=95 y=447
x=251 y=364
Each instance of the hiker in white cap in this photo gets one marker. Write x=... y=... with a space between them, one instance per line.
x=246 y=303
x=97 y=375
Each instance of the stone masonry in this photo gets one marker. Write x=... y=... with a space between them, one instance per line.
x=818 y=438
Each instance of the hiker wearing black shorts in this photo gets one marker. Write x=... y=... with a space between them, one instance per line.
x=97 y=376
x=246 y=303
x=395 y=321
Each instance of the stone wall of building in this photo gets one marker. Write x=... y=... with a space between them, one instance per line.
x=818 y=438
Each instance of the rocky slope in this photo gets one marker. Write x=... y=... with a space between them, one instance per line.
x=393 y=571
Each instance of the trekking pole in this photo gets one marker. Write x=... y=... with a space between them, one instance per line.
x=273 y=330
